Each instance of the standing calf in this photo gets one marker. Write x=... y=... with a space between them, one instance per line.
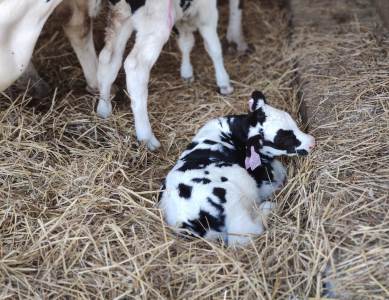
x=153 y=21
x=228 y=169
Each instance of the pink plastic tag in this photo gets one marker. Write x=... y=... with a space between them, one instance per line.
x=254 y=161
x=170 y=15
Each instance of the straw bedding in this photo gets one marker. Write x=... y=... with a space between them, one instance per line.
x=78 y=214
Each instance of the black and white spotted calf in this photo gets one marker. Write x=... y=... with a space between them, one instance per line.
x=229 y=169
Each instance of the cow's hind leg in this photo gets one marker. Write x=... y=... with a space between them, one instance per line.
x=79 y=30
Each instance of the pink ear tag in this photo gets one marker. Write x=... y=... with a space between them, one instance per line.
x=254 y=161
x=170 y=15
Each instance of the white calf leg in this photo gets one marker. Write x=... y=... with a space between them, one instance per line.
x=241 y=226
x=268 y=188
x=80 y=33
x=110 y=58
x=148 y=46
x=186 y=42
x=234 y=30
x=244 y=223
x=208 y=30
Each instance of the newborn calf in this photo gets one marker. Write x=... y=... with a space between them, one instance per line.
x=229 y=169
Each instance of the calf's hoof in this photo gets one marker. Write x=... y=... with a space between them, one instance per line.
x=188 y=79
x=225 y=90
x=104 y=109
x=152 y=143
x=245 y=49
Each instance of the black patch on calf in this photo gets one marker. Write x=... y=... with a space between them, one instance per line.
x=201 y=180
x=185 y=4
x=226 y=138
x=184 y=191
x=224 y=164
x=192 y=165
x=206 y=172
x=209 y=142
x=239 y=127
x=257 y=95
x=191 y=145
x=220 y=193
x=256 y=117
x=264 y=173
x=223 y=179
x=218 y=206
x=286 y=140
x=162 y=189
x=175 y=30
x=135 y=4
x=205 y=222
x=201 y=158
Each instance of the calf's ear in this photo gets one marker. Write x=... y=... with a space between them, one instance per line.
x=253 y=158
x=256 y=101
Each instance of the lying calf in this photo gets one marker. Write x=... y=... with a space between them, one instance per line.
x=228 y=169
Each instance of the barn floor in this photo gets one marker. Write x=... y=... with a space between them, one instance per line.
x=78 y=216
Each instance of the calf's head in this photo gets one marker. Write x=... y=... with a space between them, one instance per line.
x=273 y=132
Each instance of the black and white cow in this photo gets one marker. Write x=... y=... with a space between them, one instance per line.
x=228 y=169
x=153 y=22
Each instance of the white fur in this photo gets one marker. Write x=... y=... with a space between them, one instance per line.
x=21 y=23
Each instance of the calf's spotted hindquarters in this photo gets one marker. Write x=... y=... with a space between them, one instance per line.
x=220 y=186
